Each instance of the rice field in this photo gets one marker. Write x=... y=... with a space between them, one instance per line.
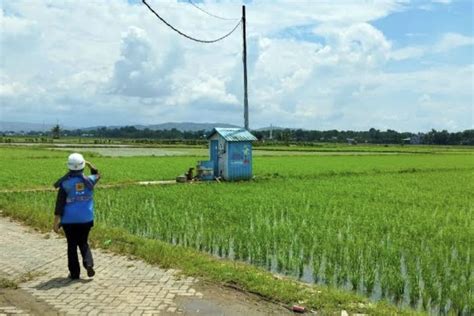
x=398 y=227
x=39 y=168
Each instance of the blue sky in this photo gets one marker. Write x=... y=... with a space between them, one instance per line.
x=425 y=25
x=388 y=64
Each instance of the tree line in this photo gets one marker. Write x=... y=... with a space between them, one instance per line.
x=372 y=136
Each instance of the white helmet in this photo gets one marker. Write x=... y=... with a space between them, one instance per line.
x=76 y=162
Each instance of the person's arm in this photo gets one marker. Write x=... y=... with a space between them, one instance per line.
x=59 y=210
x=94 y=170
x=57 y=223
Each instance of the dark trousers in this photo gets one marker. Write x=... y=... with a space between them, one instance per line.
x=77 y=235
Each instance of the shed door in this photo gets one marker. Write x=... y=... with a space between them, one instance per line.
x=214 y=148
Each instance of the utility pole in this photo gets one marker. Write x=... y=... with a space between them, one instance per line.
x=246 y=97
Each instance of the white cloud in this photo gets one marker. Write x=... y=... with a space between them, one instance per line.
x=409 y=52
x=135 y=73
x=359 y=43
x=446 y=43
x=451 y=41
x=16 y=26
x=12 y=89
x=115 y=63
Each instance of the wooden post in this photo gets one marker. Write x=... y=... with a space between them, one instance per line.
x=246 y=101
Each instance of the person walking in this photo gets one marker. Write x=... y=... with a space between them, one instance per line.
x=74 y=212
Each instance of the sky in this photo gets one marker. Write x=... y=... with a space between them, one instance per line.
x=319 y=64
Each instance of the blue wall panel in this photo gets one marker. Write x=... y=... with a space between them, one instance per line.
x=239 y=163
x=213 y=148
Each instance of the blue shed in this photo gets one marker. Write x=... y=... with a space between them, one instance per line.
x=231 y=153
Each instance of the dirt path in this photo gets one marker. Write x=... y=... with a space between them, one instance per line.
x=104 y=186
x=122 y=286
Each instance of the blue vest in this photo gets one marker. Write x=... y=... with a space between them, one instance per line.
x=79 y=203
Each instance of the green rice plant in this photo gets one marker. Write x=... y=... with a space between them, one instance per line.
x=404 y=237
x=17 y=171
x=366 y=148
x=306 y=167
x=22 y=173
x=393 y=227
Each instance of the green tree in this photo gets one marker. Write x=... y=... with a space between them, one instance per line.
x=56 y=131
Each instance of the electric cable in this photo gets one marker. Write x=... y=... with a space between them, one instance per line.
x=187 y=36
x=210 y=14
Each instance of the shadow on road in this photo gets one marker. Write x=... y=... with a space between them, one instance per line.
x=59 y=282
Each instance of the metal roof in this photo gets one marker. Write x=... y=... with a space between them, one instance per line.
x=233 y=134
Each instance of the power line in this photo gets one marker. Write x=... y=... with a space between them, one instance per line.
x=187 y=36
x=210 y=14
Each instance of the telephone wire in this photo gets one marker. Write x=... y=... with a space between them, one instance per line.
x=187 y=36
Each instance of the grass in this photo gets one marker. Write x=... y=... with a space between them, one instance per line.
x=369 y=148
x=39 y=168
x=43 y=172
x=319 y=166
x=7 y=284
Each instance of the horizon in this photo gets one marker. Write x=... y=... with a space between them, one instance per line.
x=345 y=65
x=72 y=128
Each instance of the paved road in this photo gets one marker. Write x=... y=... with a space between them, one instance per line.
x=121 y=286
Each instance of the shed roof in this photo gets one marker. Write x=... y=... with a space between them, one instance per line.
x=233 y=134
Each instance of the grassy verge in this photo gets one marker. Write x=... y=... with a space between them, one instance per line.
x=205 y=267
x=7 y=284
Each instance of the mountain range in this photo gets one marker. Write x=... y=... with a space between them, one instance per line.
x=18 y=127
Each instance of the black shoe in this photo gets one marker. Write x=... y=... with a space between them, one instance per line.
x=90 y=272
x=73 y=277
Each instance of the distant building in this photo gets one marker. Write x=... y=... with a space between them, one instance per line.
x=406 y=140
x=416 y=139
x=351 y=141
